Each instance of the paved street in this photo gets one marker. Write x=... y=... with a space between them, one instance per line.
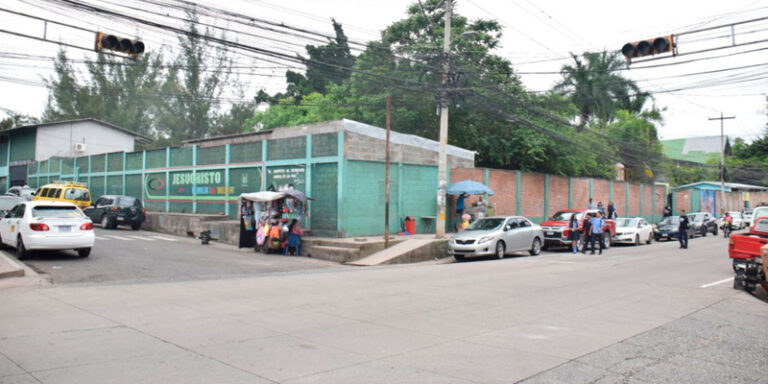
x=123 y=255
x=648 y=314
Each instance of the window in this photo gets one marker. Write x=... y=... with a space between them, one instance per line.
x=18 y=211
x=44 y=192
x=524 y=223
x=126 y=201
x=58 y=193
x=77 y=194
x=513 y=224
x=55 y=211
x=104 y=201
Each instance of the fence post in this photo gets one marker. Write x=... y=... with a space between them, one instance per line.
x=546 y=196
x=610 y=190
x=642 y=187
x=227 y=169
x=518 y=191
x=308 y=176
x=626 y=198
x=106 y=169
x=570 y=192
x=194 y=178
x=125 y=167
x=591 y=188
x=167 y=179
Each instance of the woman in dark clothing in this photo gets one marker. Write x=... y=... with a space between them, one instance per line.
x=574 y=236
x=586 y=230
x=247 y=225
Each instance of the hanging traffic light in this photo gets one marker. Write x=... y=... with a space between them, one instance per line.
x=649 y=47
x=118 y=44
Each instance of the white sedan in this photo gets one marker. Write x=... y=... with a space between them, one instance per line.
x=633 y=230
x=47 y=225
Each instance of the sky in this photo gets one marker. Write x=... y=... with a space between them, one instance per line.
x=539 y=36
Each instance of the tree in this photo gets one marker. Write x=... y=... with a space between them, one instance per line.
x=637 y=143
x=593 y=84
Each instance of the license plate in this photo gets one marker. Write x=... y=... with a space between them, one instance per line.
x=121 y=218
x=65 y=228
x=550 y=233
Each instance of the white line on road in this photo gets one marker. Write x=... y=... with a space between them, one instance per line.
x=101 y=238
x=115 y=237
x=142 y=238
x=716 y=283
x=164 y=238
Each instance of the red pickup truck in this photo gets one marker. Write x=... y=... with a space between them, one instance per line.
x=556 y=231
x=745 y=250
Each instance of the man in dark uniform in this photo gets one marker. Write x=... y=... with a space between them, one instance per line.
x=683 y=229
x=587 y=232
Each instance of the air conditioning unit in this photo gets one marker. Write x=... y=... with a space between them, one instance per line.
x=79 y=147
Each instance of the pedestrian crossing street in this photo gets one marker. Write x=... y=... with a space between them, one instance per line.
x=134 y=238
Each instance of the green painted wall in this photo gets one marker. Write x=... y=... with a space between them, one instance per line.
x=23 y=145
x=323 y=210
x=364 y=197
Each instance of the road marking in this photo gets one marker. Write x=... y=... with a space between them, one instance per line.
x=716 y=283
x=164 y=238
x=142 y=238
x=101 y=238
x=115 y=237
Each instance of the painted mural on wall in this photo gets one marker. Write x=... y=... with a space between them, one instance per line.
x=709 y=202
x=202 y=184
x=287 y=177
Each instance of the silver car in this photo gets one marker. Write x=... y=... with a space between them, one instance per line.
x=499 y=236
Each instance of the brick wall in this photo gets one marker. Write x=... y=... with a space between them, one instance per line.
x=532 y=195
x=558 y=194
x=661 y=199
x=601 y=191
x=682 y=201
x=504 y=184
x=634 y=199
x=647 y=200
x=619 y=198
x=580 y=193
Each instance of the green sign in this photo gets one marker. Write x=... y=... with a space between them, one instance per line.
x=203 y=184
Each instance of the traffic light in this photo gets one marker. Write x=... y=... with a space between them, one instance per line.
x=649 y=47
x=118 y=44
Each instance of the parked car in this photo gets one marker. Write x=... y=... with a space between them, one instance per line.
x=114 y=210
x=497 y=235
x=557 y=233
x=72 y=192
x=702 y=223
x=633 y=230
x=758 y=212
x=8 y=202
x=47 y=225
x=26 y=191
x=745 y=253
x=667 y=229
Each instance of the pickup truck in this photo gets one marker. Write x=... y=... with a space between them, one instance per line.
x=556 y=231
x=747 y=253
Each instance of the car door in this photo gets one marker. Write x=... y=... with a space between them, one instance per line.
x=528 y=233
x=94 y=212
x=5 y=226
x=13 y=223
x=644 y=229
x=512 y=227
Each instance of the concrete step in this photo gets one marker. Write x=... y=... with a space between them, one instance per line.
x=330 y=253
x=409 y=251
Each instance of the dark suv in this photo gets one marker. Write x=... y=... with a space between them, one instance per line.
x=114 y=210
x=702 y=223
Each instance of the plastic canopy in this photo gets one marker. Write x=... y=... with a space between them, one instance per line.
x=470 y=187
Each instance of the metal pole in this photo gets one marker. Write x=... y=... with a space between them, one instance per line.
x=386 y=183
x=442 y=160
x=722 y=159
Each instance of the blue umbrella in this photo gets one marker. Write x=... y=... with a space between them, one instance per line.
x=469 y=187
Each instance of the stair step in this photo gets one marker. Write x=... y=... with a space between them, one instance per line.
x=336 y=254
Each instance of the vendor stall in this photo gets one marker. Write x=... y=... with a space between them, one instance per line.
x=264 y=218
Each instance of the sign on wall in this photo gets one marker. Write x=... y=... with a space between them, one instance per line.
x=203 y=184
x=285 y=177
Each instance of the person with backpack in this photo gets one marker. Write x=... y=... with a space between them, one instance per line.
x=682 y=229
x=586 y=232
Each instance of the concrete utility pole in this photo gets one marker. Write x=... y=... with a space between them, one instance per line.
x=386 y=183
x=444 y=100
x=722 y=159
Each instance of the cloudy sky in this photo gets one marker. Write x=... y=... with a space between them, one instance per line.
x=538 y=37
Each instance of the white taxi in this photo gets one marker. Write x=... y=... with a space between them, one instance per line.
x=47 y=225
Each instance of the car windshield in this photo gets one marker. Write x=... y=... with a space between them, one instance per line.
x=671 y=220
x=626 y=222
x=77 y=194
x=761 y=226
x=485 y=224
x=7 y=203
x=566 y=216
x=698 y=218
x=47 y=211
x=126 y=201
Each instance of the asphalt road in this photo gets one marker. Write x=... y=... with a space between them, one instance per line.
x=123 y=255
x=638 y=315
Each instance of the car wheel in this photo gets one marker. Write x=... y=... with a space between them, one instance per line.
x=500 y=250
x=21 y=251
x=650 y=239
x=637 y=240
x=715 y=231
x=105 y=221
x=136 y=226
x=704 y=233
x=84 y=252
x=535 y=247
x=607 y=240
x=458 y=258
x=2 y=245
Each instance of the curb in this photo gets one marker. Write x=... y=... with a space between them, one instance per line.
x=10 y=267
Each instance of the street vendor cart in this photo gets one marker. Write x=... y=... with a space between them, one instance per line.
x=268 y=214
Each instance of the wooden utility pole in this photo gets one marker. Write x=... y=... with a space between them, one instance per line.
x=722 y=159
x=386 y=183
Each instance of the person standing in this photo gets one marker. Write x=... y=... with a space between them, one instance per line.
x=460 y=209
x=586 y=232
x=611 y=210
x=598 y=223
x=574 y=234
x=667 y=211
x=591 y=204
x=682 y=229
x=601 y=207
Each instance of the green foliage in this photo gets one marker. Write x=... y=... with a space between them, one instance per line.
x=636 y=141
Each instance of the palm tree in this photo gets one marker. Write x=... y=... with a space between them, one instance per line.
x=593 y=84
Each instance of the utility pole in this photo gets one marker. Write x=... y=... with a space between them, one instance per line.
x=722 y=159
x=386 y=184
x=444 y=100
